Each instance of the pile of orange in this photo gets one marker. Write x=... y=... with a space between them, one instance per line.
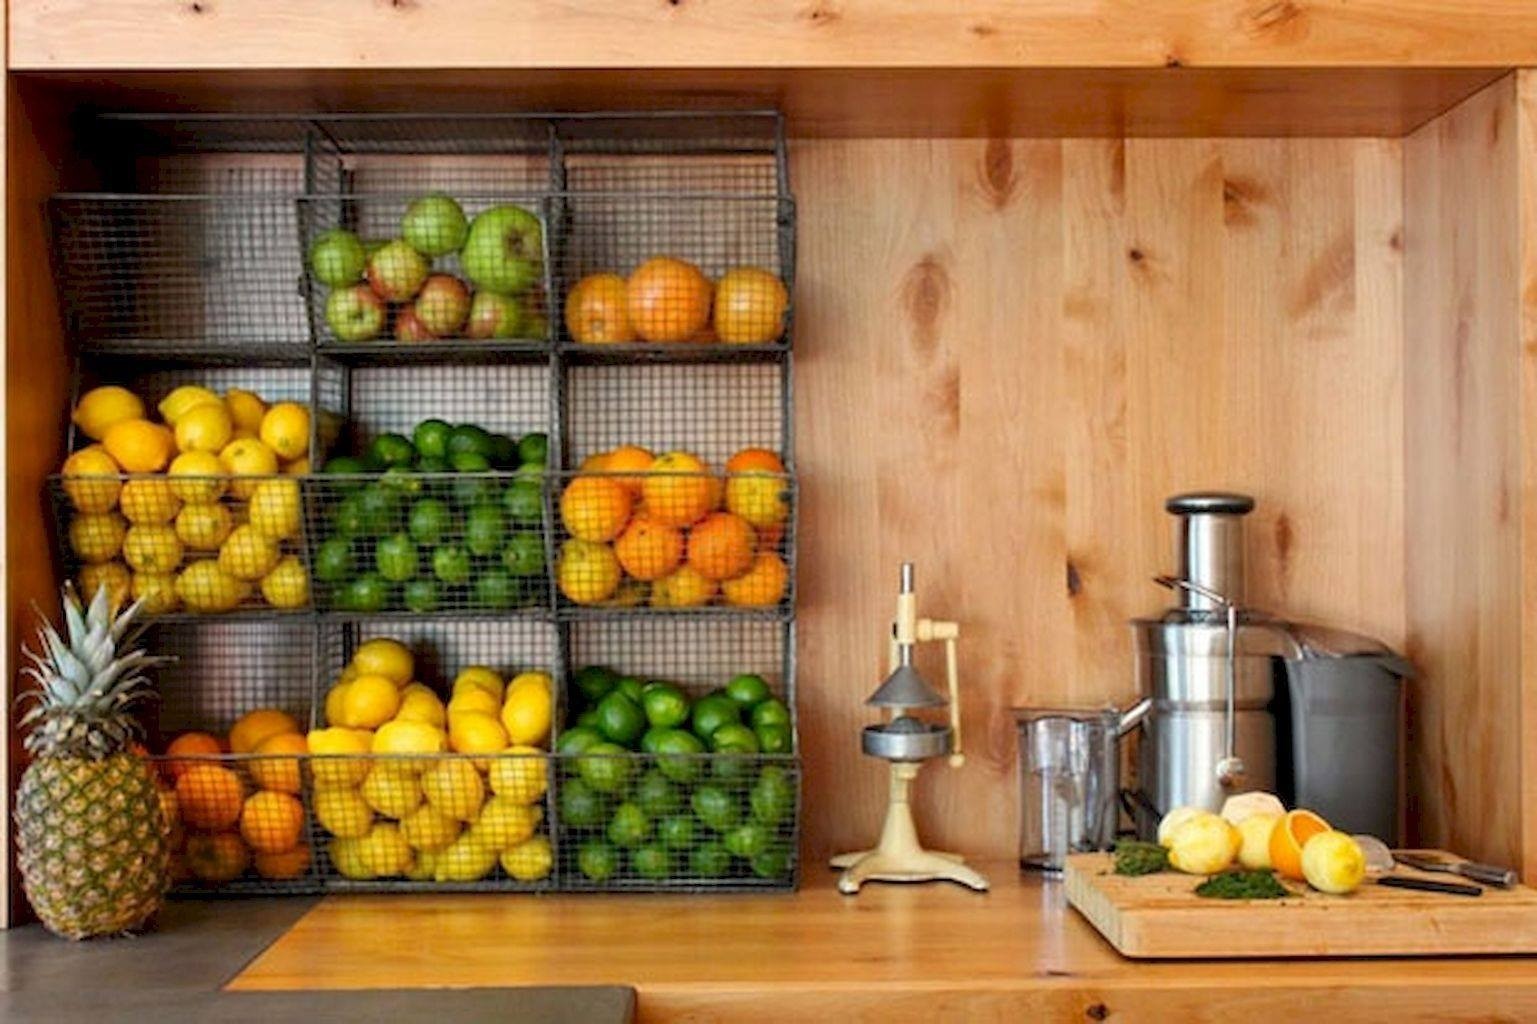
x=669 y=300
x=666 y=530
x=228 y=817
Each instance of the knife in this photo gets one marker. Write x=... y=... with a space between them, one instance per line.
x=1487 y=874
x=1429 y=885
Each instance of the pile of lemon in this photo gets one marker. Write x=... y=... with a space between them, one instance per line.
x=208 y=518
x=398 y=811
x=1257 y=832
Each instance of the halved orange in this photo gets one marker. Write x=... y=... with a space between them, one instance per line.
x=1289 y=837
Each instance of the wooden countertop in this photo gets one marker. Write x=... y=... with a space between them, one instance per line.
x=909 y=953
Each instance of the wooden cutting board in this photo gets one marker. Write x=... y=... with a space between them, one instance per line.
x=1160 y=917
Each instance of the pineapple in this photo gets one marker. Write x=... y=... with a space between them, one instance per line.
x=91 y=835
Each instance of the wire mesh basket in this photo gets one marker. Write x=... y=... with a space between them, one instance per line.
x=221 y=670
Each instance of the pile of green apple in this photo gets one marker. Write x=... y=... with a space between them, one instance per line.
x=392 y=288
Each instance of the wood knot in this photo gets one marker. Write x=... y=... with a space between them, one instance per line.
x=1396 y=240
x=998 y=172
x=925 y=296
x=1074 y=580
x=1284 y=538
x=982 y=30
x=1135 y=254
x=1239 y=197
x=1274 y=15
x=1098 y=1011
x=820 y=14
x=196 y=8
x=1172 y=60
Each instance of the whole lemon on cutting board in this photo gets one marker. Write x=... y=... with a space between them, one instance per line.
x=1254 y=831
x=1333 y=862
x=1204 y=845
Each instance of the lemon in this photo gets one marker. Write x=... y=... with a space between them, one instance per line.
x=343 y=812
x=423 y=866
x=403 y=736
x=369 y=702
x=298 y=467
x=1254 y=834
x=474 y=732
x=205 y=477
x=420 y=704
x=531 y=678
x=482 y=677
x=338 y=772
x=99 y=492
x=205 y=428
x=139 y=446
x=1244 y=805
x=157 y=590
x=148 y=501
x=204 y=587
x=287 y=585
x=335 y=697
x=392 y=790
x=587 y=572
x=244 y=457
x=382 y=656
x=347 y=855
x=1203 y=845
x=1334 y=863
x=151 y=548
x=187 y=397
x=204 y=527
x=453 y=786
x=1173 y=820
x=286 y=430
x=112 y=575
x=473 y=700
x=100 y=408
x=245 y=409
x=247 y=554
x=504 y=822
x=274 y=508
x=465 y=860
x=384 y=851
x=429 y=829
x=526 y=715
x=522 y=779
x=530 y=860
x=97 y=536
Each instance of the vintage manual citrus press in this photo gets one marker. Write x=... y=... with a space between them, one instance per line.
x=907 y=741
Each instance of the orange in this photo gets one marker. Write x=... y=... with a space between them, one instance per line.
x=758 y=497
x=755 y=460
x=667 y=299
x=210 y=796
x=220 y=857
x=630 y=459
x=749 y=306
x=271 y=822
x=685 y=588
x=186 y=745
x=649 y=550
x=256 y=726
x=281 y=866
x=595 y=310
x=280 y=774
x=597 y=462
x=595 y=508
x=1291 y=834
x=761 y=586
x=680 y=490
x=721 y=546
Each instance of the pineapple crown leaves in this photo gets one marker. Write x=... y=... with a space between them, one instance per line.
x=86 y=692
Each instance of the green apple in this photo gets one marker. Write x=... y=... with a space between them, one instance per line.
x=434 y=225
x=442 y=304
x=355 y=314
x=337 y=258
x=493 y=315
x=397 y=272
x=505 y=250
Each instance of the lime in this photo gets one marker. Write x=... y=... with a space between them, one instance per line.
x=594 y=682
x=380 y=509
x=391 y=450
x=734 y=738
x=712 y=712
x=631 y=687
x=629 y=825
x=534 y=448
x=666 y=705
x=504 y=452
x=580 y=805
x=577 y=739
x=716 y=807
x=648 y=739
x=367 y=593
x=333 y=560
x=746 y=840
x=451 y=564
x=344 y=465
x=731 y=766
x=677 y=754
x=652 y=861
x=589 y=720
x=483 y=530
x=495 y=589
x=773 y=862
x=709 y=861
x=420 y=596
x=473 y=489
x=429 y=464
x=620 y=719
x=531 y=470
x=467 y=438
x=428 y=521
x=605 y=767
x=524 y=502
x=524 y=555
x=395 y=556
x=430 y=438
x=469 y=462
x=597 y=860
x=403 y=479
x=347 y=517
x=747 y=690
x=769 y=712
x=774 y=739
x=676 y=832
x=772 y=797
x=655 y=795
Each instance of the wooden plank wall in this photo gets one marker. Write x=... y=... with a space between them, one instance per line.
x=1011 y=351
x=1526 y=140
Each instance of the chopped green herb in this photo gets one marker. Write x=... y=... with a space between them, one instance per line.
x=1135 y=858
x=1242 y=885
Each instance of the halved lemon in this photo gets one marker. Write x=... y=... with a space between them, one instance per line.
x=1291 y=834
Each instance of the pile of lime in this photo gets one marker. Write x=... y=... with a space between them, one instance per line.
x=698 y=802
x=449 y=518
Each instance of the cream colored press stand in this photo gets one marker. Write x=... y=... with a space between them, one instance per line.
x=907 y=742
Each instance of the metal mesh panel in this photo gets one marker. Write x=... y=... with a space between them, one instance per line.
x=222 y=670
x=674 y=152
x=506 y=398
x=699 y=654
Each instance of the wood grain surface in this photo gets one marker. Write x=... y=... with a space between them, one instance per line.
x=747 y=33
x=1526 y=129
x=893 y=953
x=1010 y=352
x=1159 y=916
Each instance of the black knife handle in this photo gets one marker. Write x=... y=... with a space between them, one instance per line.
x=1430 y=885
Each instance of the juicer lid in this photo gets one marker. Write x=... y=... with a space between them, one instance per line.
x=1222 y=503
